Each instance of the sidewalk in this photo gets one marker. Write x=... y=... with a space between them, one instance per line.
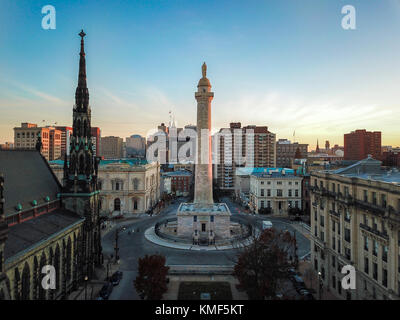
x=94 y=286
x=152 y=237
x=310 y=278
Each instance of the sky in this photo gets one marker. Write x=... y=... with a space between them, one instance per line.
x=285 y=64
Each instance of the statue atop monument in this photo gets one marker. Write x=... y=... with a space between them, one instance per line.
x=204 y=70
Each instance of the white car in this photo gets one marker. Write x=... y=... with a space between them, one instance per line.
x=266 y=224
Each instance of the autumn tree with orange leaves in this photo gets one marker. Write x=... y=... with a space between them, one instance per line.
x=262 y=266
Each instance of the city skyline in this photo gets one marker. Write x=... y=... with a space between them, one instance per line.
x=315 y=81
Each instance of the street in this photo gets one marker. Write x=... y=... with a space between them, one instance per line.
x=133 y=245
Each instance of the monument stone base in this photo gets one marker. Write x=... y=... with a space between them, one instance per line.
x=204 y=221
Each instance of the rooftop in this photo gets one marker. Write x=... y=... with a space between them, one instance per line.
x=245 y=171
x=369 y=169
x=27 y=179
x=128 y=161
x=28 y=234
x=178 y=173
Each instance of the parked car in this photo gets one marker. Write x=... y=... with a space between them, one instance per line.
x=106 y=290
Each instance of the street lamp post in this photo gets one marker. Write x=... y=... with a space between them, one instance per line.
x=86 y=280
x=320 y=284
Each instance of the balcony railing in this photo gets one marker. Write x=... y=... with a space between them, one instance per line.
x=370 y=207
x=383 y=235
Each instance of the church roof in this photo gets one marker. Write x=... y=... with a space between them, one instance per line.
x=31 y=233
x=27 y=177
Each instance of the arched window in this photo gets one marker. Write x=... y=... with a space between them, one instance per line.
x=25 y=283
x=117 y=204
x=135 y=184
x=69 y=247
x=35 y=278
x=57 y=267
x=17 y=280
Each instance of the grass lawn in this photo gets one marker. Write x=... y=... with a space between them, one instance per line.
x=191 y=290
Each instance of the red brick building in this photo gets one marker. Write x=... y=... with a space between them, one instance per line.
x=360 y=143
x=391 y=158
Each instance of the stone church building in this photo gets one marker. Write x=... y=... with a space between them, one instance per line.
x=43 y=222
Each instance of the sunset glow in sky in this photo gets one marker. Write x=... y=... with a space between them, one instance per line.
x=285 y=64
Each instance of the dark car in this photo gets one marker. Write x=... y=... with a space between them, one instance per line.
x=116 y=278
x=106 y=290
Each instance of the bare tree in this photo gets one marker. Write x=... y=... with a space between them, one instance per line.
x=262 y=265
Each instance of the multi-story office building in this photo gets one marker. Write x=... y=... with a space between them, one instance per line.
x=111 y=147
x=277 y=189
x=135 y=146
x=360 y=143
x=26 y=136
x=356 y=221
x=66 y=133
x=234 y=145
x=286 y=152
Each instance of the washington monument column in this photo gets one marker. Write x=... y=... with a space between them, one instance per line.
x=203 y=182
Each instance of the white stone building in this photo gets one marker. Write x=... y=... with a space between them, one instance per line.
x=127 y=186
x=275 y=188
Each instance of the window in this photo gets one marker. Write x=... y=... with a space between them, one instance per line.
x=296 y=193
x=365 y=219
x=322 y=220
x=365 y=195
x=262 y=192
x=384 y=253
x=338 y=229
x=384 y=277
x=279 y=192
x=347 y=234
x=375 y=248
x=117 y=204
x=347 y=215
x=262 y=204
x=375 y=271
x=268 y=192
x=339 y=246
x=290 y=192
x=333 y=282
x=135 y=204
x=194 y=218
x=333 y=243
x=366 y=265
x=333 y=261
x=383 y=200
x=366 y=247
x=322 y=235
x=211 y=218
x=374 y=198
x=333 y=226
